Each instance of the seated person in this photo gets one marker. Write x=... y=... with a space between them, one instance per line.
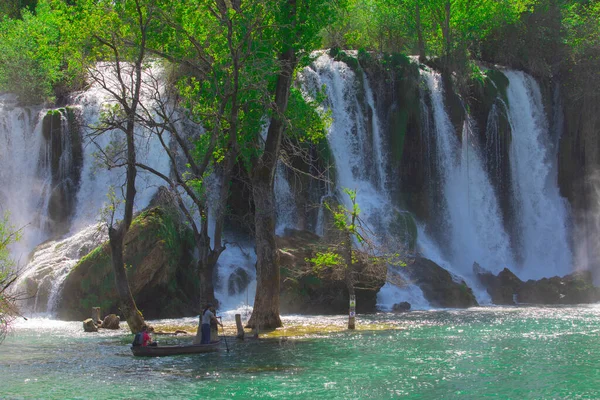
x=146 y=339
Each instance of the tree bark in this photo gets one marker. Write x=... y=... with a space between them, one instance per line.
x=421 y=42
x=117 y=236
x=127 y=304
x=349 y=277
x=266 y=302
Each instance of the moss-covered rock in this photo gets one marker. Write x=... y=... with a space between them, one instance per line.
x=159 y=267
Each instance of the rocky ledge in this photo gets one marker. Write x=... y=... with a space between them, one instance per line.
x=507 y=289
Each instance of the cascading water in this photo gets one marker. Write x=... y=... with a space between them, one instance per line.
x=25 y=167
x=471 y=215
x=541 y=212
x=359 y=159
x=24 y=182
x=286 y=205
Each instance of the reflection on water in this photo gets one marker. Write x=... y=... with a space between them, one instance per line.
x=509 y=352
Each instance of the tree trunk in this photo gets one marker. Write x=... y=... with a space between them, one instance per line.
x=447 y=34
x=422 y=56
x=117 y=237
x=349 y=277
x=266 y=302
x=128 y=308
x=206 y=268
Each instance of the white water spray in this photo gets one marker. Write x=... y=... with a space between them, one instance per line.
x=541 y=212
x=359 y=166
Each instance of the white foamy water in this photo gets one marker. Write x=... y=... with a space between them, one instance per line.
x=25 y=192
x=24 y=172
x=360 y=163
x=542 y=214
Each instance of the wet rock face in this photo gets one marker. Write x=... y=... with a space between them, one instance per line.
x=65 y=157
x=502 y=288
x=401 y=307
x=438 y=286
x=238 y=281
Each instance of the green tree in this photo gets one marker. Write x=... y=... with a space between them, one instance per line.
x=221 y=68
x=8 y=276
x=118 y=31
x=297 y=26
x=344 y=257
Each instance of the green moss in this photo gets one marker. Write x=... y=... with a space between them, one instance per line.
x=340 y=55
x=404 y=227
x=398 y=122
x=496 y=84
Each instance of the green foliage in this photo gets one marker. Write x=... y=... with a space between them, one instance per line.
x=306 y=120
x=36 y=57
x=327 y=259
x=8 y=235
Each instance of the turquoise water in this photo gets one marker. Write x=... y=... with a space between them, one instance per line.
x=513 y=353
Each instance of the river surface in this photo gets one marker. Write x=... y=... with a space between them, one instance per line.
x=518 y=353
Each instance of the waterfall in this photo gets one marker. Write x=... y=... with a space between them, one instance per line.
x=496 y=203
x=472 y=223
x=541 y=213
x=359 y=154
x=27 y=182
x=285 y=202
x=471 y=217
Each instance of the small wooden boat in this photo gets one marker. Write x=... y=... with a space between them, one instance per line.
x=160 y=351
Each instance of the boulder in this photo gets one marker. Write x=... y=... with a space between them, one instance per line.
x=574 y=288
x=238 y=281
x=160 y=269
x=89 y=326
x=438 y=286
x=401 y=307
x=304 y=290
x=502 y=288
x=111 y=321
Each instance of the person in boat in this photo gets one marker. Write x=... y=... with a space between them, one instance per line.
x=207 y=317
x=146 y=339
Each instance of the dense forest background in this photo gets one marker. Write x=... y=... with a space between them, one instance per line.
x=548 y=38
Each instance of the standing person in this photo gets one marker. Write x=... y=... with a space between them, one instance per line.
x=206 y=317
